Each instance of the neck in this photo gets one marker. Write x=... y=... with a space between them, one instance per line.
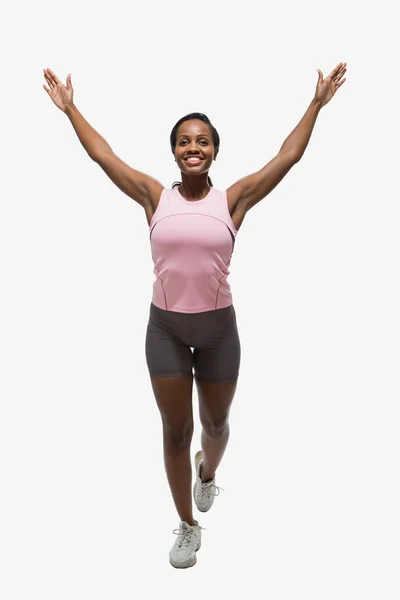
x=194 y=188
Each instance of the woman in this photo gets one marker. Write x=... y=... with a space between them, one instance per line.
x=193 y=228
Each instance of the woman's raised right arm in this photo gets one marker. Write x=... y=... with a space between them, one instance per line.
x=90 y=139
x=137 y=185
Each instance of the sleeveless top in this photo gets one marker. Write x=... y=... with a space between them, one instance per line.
x=191 y=245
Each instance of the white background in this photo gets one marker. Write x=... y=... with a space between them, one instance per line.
x=311 y=477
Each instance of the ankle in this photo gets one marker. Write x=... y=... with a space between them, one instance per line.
x=204 y=476
x=192 y=522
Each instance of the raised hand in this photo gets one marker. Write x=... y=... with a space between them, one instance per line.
x=60 y=94
x=327 y=88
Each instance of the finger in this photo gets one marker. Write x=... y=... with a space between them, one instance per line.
x=336 y=70
x=53 y=76
x=340 y=75
x=47 y=75
x=49 y=80
x=47 y=90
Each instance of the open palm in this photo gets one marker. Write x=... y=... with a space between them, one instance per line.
x=326 y=88
x=60 y=94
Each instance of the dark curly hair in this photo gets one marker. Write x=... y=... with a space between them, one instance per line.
x=214 y=133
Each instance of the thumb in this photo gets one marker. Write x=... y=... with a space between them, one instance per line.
x=69 y=85
x=320 y=76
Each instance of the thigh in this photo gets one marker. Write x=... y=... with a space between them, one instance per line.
x=217 y=358
x=167 y=355
x=174 y=400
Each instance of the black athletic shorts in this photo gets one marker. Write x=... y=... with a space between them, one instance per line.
x=208 y=342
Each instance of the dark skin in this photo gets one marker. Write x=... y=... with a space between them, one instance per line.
x=174 y=394
x=146 y=190
x=194 y=139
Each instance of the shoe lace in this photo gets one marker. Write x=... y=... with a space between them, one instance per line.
x=207 y=490
x=186 y=535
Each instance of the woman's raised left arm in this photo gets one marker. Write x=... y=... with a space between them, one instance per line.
x=297 y=141
x=249 y=190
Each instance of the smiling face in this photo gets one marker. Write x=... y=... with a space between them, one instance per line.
x=194 y=150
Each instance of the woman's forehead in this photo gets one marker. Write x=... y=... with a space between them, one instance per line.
x=193 y=127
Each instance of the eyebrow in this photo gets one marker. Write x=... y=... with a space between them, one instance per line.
x=198 y=135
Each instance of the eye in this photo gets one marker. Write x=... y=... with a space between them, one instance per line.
x=182 y=141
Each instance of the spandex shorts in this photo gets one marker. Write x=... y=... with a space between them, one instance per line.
x=208 y=342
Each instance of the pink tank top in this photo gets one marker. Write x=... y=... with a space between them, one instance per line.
x=191 y=244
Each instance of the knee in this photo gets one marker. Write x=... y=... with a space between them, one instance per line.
x=216 y=429
x=177 y=437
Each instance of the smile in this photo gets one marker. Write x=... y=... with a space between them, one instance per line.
x=194 y=160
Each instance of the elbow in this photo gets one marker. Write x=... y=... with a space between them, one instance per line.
x=296 y=157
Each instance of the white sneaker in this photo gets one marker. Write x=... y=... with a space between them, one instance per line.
x=203 y=492
x=183 y=552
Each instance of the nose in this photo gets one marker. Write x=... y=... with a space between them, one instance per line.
x=192 y=148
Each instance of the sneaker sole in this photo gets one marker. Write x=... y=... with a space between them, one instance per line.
x=197 y=458
x=185 y=566
x=180 y=566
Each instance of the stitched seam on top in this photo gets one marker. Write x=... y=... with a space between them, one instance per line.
x=162 y=288
x=227 y=210
x=158 y=206
x=232 y=235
